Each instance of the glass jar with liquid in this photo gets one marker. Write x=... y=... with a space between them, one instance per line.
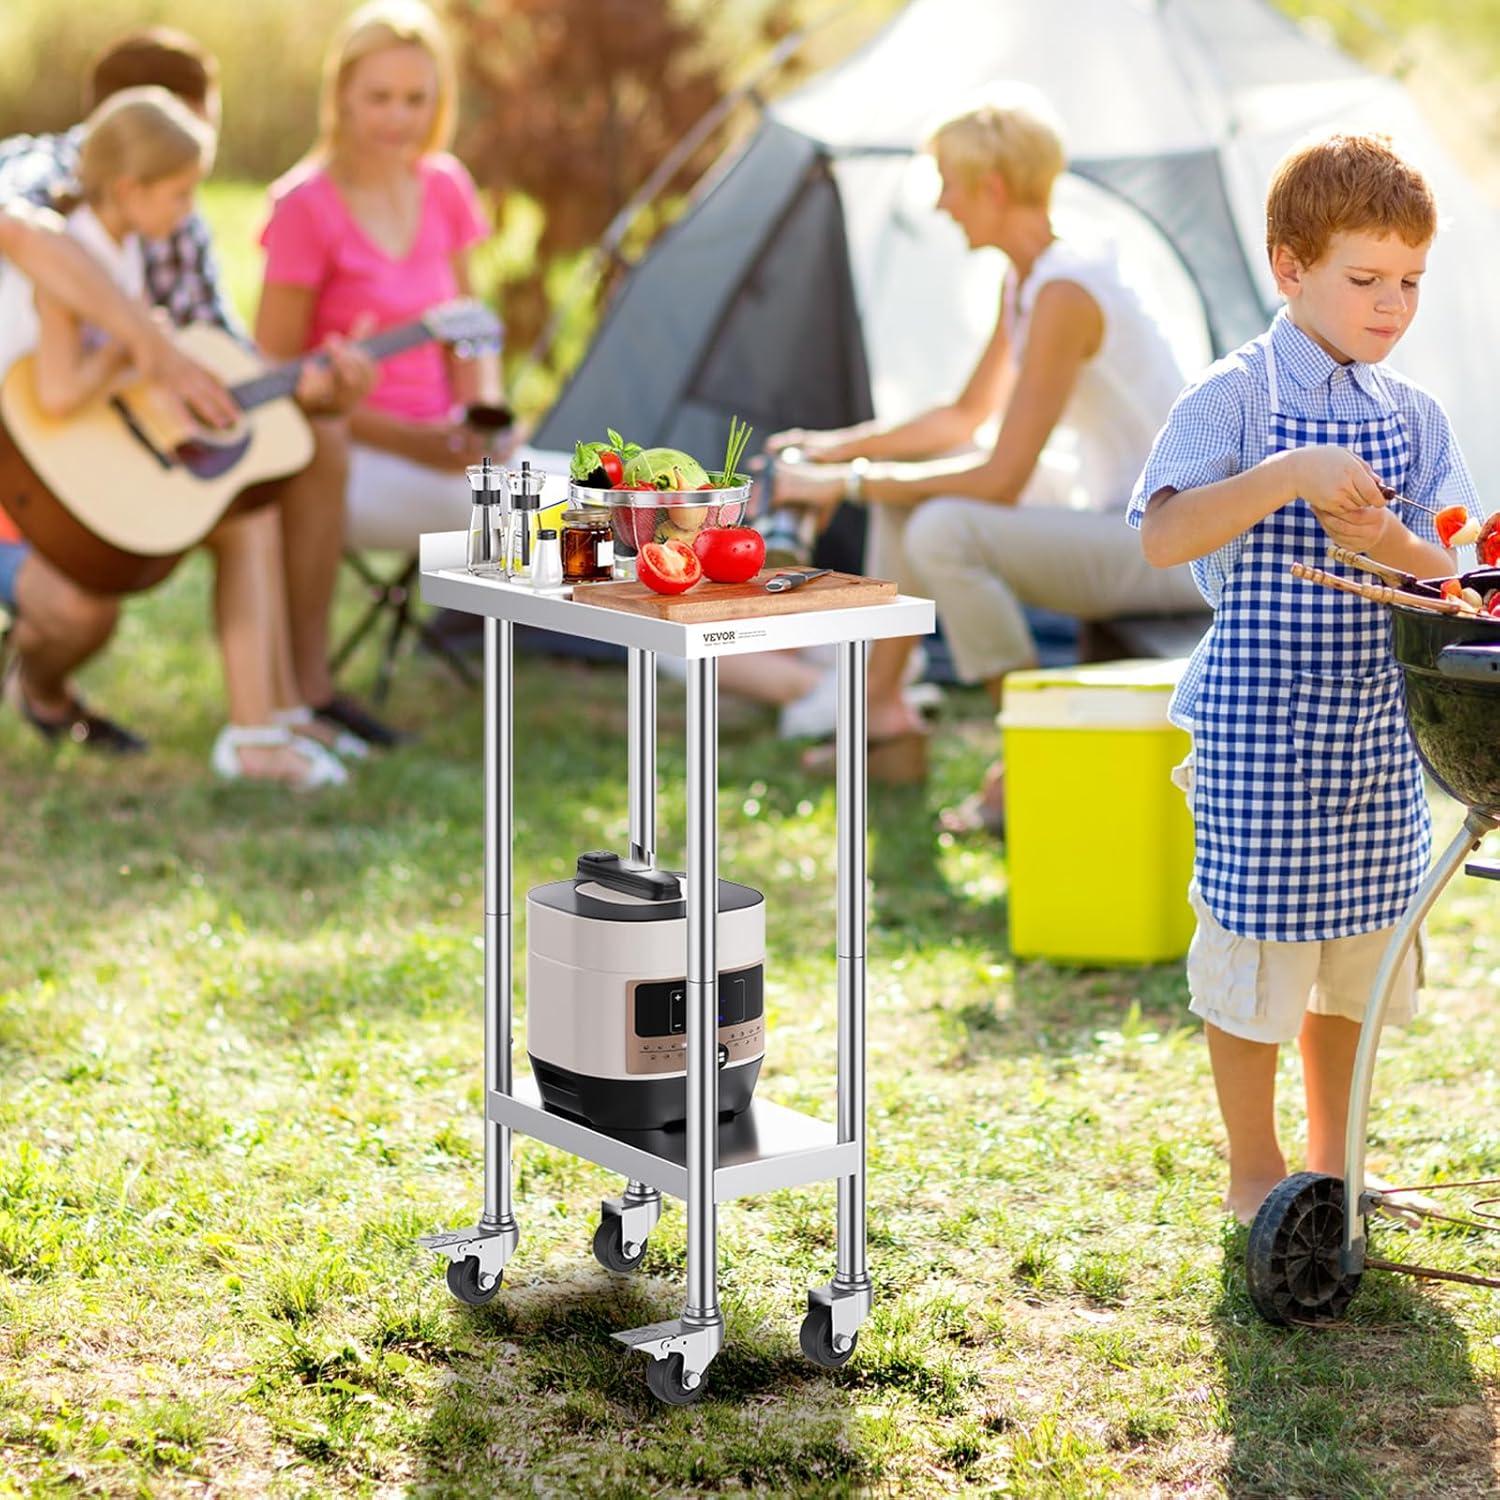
x=588 y=545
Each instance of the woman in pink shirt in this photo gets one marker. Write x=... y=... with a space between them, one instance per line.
x=370 y=231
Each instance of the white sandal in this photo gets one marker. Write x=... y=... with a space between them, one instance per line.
x=301 y=719
x=322 y=767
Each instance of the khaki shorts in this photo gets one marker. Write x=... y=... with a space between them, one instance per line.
x=1260 y=990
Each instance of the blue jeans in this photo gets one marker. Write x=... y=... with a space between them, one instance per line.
x=12 y=555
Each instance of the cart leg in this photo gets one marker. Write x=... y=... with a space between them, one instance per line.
x=640 y=1208
x=835 y=1311
x=492 y=1242
x=642 y=697
x=1357 y=1202
x=684 y=1347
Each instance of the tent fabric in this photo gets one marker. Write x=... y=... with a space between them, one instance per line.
x=814 y=283
x=746 y=307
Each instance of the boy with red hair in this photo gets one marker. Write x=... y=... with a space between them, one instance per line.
x=1310 y=817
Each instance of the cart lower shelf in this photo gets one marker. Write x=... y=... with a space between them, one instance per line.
x=765 y=1148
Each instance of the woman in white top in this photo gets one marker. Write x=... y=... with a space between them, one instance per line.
x=1081 y=377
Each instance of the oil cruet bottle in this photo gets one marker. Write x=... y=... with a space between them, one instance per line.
x=526 y=486
x=481 y=552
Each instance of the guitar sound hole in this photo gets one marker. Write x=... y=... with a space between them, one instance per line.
x=205 y=460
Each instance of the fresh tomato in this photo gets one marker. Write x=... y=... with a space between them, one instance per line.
x=1488 y=545
x=614 y=470
x=1450 y=522
x=730 y=554
x=1493 y=607
x=668 y=567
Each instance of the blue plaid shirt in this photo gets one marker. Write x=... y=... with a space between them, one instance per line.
x=182 y=273
x=1221 y=424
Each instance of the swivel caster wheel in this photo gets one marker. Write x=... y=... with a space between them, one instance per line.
x=816 y=1338
x=609 y=1251
x=665 y=1378
x=463 y=1282
x=1293 y=1261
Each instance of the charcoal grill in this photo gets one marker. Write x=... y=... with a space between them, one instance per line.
x=1308 y=1245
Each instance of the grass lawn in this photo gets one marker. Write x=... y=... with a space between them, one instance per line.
x=240 y=1036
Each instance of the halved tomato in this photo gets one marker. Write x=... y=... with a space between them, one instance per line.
x=668 y=567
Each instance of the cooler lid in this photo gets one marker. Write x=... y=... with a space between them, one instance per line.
x=1102 y=695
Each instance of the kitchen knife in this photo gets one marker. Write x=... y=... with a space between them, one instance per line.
x=793 y=580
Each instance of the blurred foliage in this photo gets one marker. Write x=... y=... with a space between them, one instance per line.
x=570 y=104
x=567 y=107
x=270 y=52
x=1381 y=31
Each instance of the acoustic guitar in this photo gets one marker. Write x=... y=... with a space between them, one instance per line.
x=115 y=494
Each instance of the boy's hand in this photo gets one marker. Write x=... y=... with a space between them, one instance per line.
x=1335 y=482
x=1358 y=530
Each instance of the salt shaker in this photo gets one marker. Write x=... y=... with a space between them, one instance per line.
x=546 y=562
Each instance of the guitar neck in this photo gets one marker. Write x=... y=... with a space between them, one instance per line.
x=282 y=381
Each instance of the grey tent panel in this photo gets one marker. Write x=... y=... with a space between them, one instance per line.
x=744 y=306
x=1183 y=195
x=789 y=349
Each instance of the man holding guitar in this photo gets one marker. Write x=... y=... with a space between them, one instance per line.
x=61 y=625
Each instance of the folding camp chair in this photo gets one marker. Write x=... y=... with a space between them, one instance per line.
x=394 y=600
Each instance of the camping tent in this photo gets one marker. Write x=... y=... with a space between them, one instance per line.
x=812 y=284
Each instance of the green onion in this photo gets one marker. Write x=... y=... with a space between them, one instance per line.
x=739 y=435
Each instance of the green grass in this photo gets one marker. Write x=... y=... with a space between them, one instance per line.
x=240 y=1034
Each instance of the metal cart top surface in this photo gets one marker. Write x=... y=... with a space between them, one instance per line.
x=708 y=1162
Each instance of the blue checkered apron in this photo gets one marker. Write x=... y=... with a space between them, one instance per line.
x=1308 y=802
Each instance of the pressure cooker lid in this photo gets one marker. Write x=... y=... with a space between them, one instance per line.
x=610 y=889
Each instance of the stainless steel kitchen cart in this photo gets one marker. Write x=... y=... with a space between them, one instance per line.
x=709 y=1162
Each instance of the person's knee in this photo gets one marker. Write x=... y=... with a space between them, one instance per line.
x=935 y=535
x=57 y=609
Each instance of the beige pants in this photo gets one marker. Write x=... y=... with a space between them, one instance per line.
x=392 y=501
x=983 y=563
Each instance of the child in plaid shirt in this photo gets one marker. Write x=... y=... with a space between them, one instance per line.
x=1311 y=822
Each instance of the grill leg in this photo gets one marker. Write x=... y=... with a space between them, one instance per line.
x=1476 y=825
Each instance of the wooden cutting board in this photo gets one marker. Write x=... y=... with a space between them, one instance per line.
x=737 y=601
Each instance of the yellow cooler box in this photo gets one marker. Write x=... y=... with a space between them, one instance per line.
x=1099 y=841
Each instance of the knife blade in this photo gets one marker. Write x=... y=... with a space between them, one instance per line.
x=793 y=580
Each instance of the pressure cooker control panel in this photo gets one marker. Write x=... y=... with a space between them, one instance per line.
x=656 y=1041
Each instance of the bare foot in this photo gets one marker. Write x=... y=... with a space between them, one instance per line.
x=1244 y=1199
x=982 y=811
x=889 y=721
x=285 y=764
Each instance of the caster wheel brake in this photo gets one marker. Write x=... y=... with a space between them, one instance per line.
x=610 y=1249
x=816 y=1338
x=1293 y=1263
x=463 y=1282
x=666 y=1379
